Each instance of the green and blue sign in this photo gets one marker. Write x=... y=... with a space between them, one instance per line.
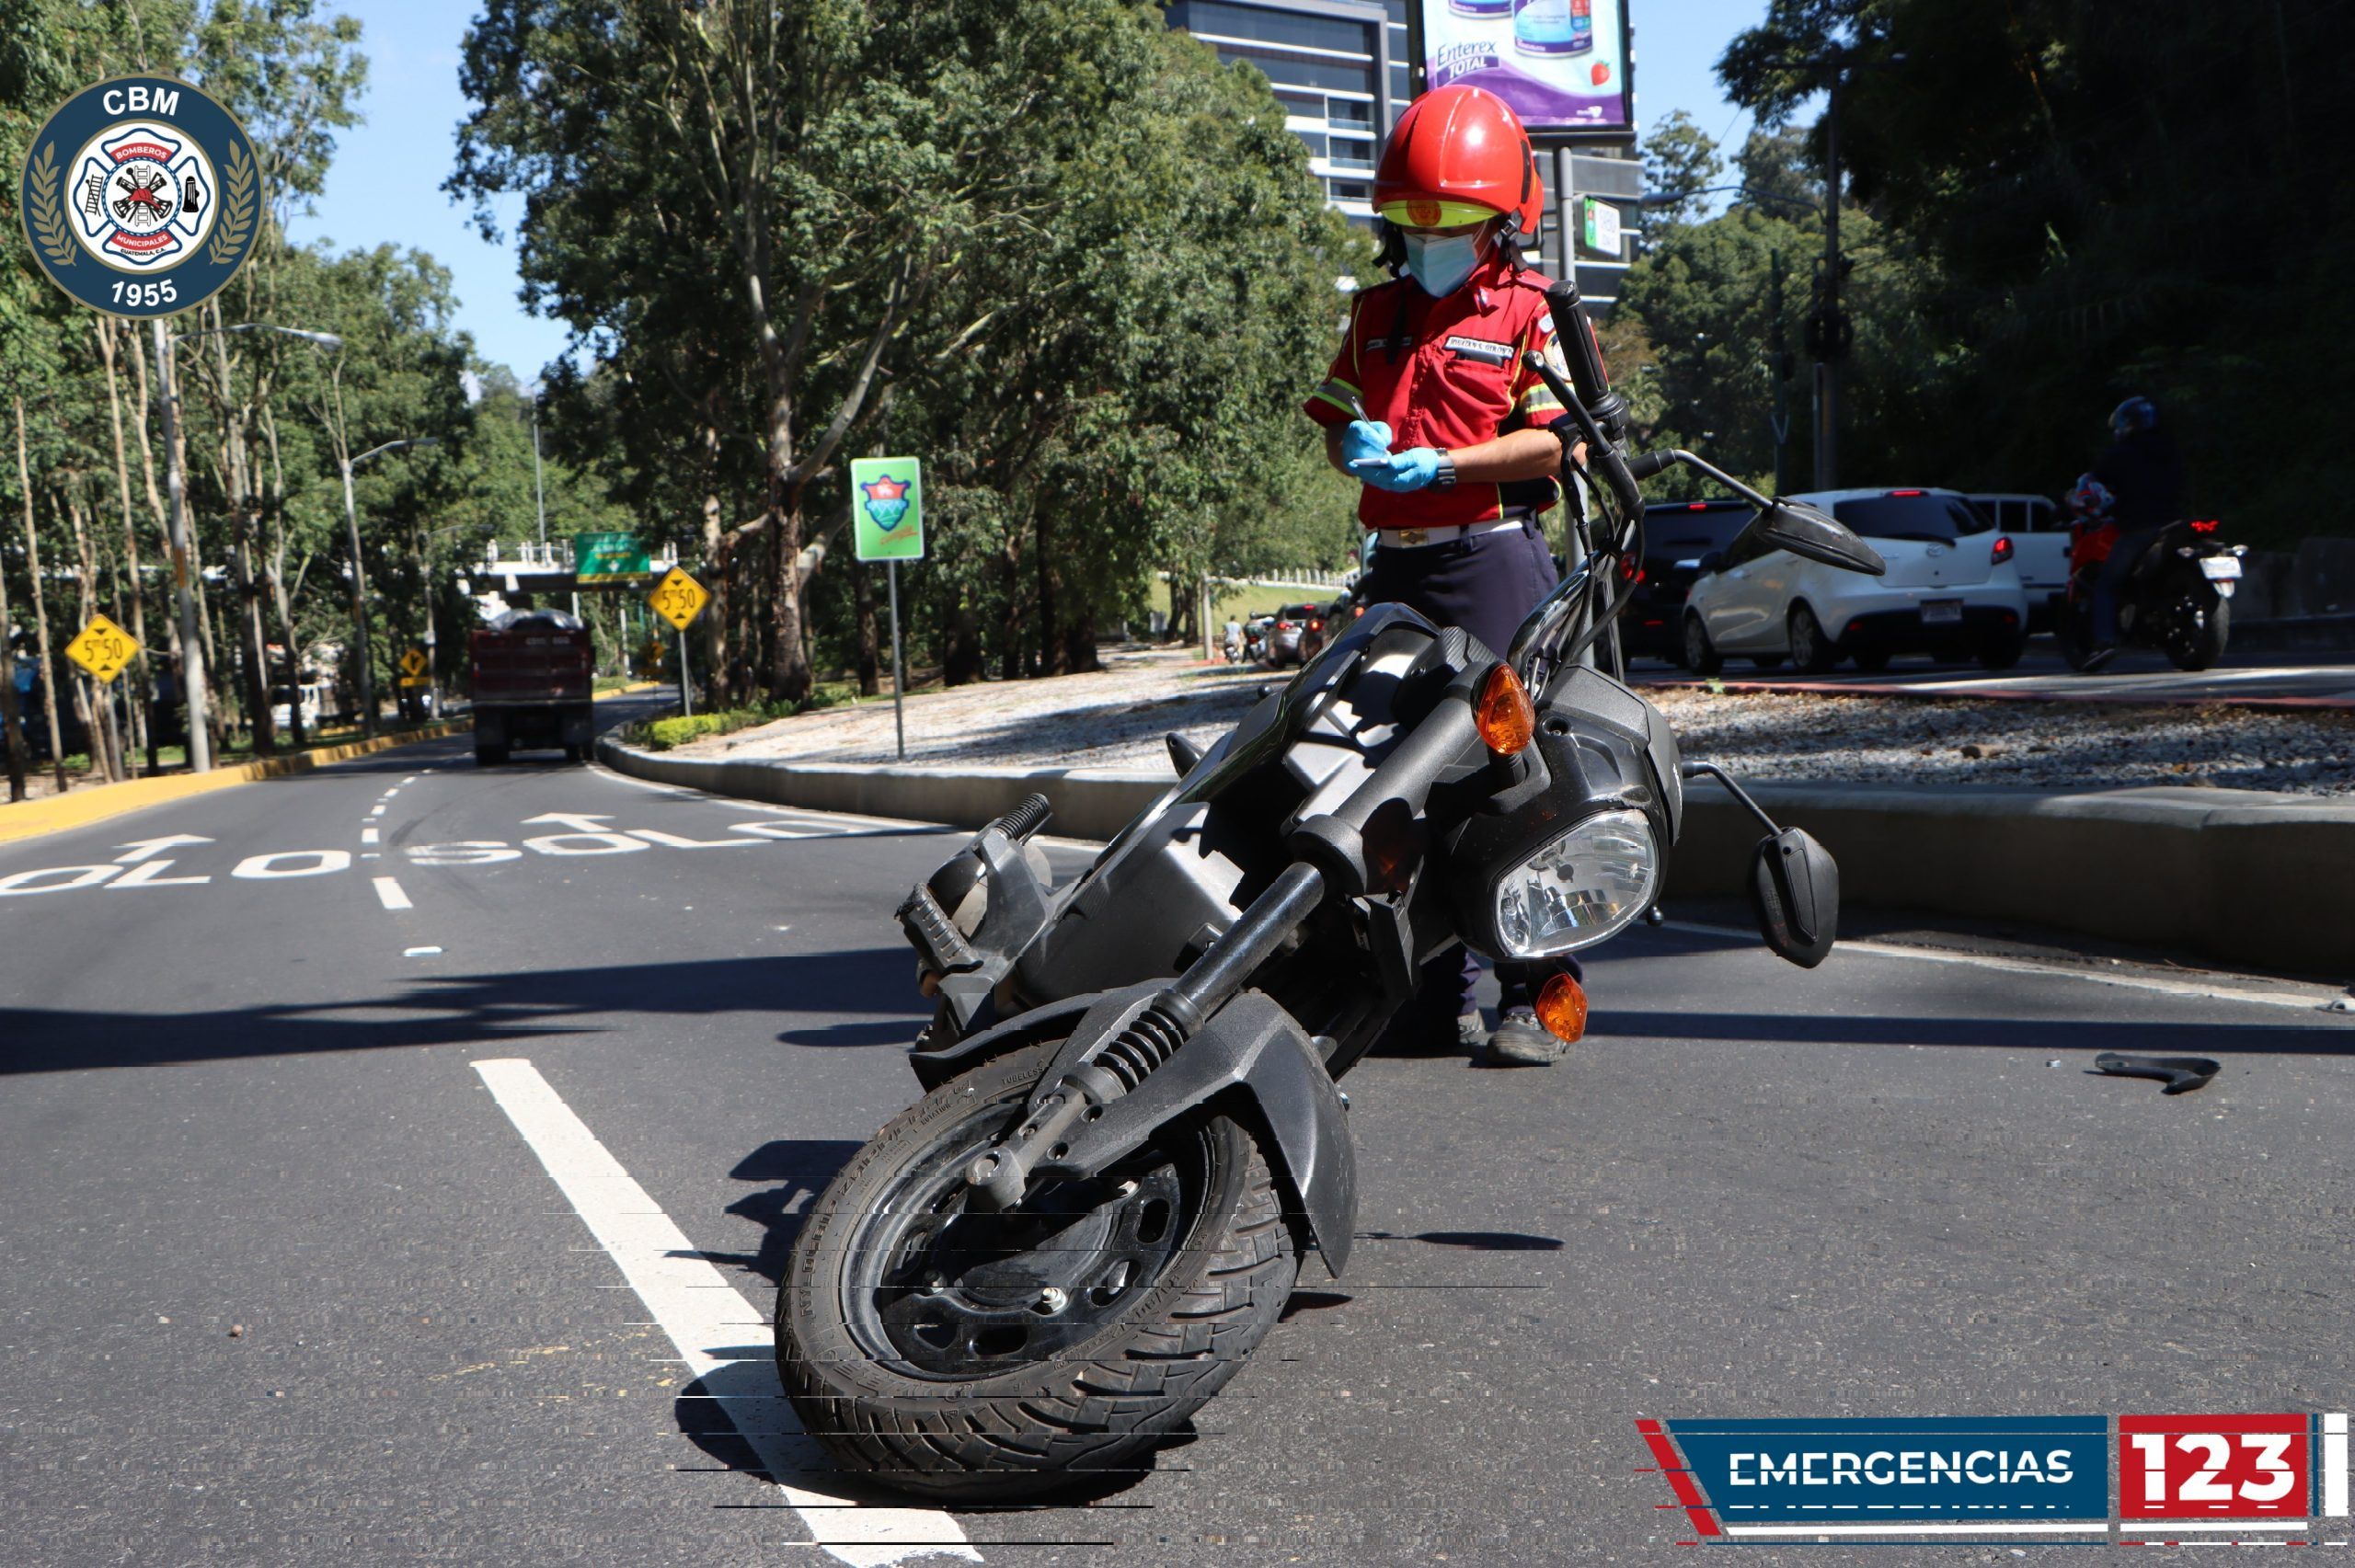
x=887 y=508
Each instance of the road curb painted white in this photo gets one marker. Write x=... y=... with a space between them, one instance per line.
x=2235 y=875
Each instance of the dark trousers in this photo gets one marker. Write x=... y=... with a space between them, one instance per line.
x=2116 y=568
x=1488 y=585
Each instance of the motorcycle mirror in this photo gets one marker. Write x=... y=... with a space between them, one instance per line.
x=1795 y=892
x=1815 y=536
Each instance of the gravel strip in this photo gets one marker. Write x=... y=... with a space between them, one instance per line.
x=1115 y=719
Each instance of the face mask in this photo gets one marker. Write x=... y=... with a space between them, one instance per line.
x=1442 y=262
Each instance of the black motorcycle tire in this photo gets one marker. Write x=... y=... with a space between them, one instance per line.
x=2001 y=650
x=1044 y=1427
x=2191 y=645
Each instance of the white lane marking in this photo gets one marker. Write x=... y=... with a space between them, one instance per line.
x=390 y=894
x=2305 y=1001
x=377 y=809
x=704 y=1315
x=370 y=854
x=410 y=780
x=20 y=885
x=2333 y=1465
x=148 y=848
x=264 y=867
x=150 y=874
x=368 y=835
x=419 y=951
x=390 y=793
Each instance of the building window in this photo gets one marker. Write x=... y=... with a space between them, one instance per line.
x=1301 y=31
x=1289 y=71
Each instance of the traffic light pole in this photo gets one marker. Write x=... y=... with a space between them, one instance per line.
x=1832 y=346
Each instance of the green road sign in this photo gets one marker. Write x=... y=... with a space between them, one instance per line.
x=887 y=503
x=609 y=557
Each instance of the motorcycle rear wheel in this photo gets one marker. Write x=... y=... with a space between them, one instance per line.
x=1006 y=1357
x=2196 y=632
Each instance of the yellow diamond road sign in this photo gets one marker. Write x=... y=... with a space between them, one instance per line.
x=413 y=662
x=103 y=648
x=678 y=599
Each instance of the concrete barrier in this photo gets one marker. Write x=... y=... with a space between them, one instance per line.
x=2234 y=874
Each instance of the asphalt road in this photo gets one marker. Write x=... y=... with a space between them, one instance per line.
x=2138 y=675
x=285 y=1277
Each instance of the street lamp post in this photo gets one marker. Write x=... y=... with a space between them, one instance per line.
x=359 y=578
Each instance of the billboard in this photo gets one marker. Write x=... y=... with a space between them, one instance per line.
x=1562 y=64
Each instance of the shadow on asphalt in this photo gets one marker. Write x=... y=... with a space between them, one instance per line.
x=470 y=1009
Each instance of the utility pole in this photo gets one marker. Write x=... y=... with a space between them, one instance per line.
x=1829 y=328
x=359 y=578
x=192 y=679
x=1779 y=366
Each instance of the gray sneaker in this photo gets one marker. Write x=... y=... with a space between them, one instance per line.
x=1471 y=1034
x=1521 y=1041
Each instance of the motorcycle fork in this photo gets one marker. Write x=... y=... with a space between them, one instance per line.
x=1150 y=1038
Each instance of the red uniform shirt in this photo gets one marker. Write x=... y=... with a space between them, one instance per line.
x=1446 y=373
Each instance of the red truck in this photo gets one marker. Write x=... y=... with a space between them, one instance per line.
x=532 y=684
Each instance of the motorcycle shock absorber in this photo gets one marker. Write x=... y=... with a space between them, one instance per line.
x=998 y=1177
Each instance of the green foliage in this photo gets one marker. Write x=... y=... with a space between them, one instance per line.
x=2096 y=200
x=665 y=734
x=1679 y=158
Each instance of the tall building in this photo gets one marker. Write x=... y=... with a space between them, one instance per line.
x=1340 y=67
x=1344 y=69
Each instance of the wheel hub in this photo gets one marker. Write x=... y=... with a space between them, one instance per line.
x=940 y=1291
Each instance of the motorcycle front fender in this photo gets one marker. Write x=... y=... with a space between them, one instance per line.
x=933 y=1068
x=1250 y=1050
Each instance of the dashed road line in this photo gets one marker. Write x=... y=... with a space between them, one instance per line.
x=704 y=1314
x=368 y=835
x=388 y=893
x=377 y=809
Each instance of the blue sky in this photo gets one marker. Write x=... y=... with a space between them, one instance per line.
x=385 y=183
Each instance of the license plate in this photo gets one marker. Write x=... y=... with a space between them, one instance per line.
x=2220 y=569
x=1941 y=611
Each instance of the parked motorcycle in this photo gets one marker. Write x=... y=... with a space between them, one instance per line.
x=2176 y=599
x=1131 y=1130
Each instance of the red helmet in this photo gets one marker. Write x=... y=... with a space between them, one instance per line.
x=1458 y=155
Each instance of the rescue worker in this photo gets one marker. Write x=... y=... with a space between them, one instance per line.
x=1432 y=407
x=2144 y=475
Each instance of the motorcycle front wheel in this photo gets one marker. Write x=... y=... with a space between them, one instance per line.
x=973 y=1357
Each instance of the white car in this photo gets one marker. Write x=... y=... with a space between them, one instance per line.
x=2039 y=536
x=1951 y=589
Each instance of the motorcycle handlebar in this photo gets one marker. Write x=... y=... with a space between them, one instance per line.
x=1576 y=338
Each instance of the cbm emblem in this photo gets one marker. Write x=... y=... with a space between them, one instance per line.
x=141 y=196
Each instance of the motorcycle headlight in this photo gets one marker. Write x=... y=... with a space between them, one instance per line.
x=1582 y=888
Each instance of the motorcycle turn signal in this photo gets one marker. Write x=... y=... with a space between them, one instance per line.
x=1561 y=1007
x=1504 y=716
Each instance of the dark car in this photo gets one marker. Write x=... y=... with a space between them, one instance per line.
x=1676 y=535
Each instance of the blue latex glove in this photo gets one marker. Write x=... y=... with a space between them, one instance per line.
x=1399 y=471
x=1365 y=438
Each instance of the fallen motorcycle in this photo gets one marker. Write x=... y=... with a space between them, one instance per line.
x=2176 y=599
x=1131 y=1130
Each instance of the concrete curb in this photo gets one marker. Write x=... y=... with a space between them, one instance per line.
x=31 y=818
x=2235 y=874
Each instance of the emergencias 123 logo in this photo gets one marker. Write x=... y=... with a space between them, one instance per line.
x=141 y=196
x=2269 y=1479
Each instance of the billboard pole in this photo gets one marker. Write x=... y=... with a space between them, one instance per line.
x=899 y=675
